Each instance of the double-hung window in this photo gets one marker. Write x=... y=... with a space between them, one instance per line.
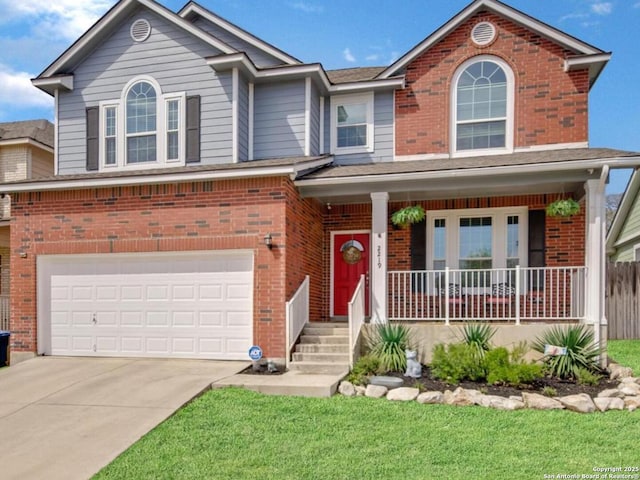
x=144 y=128
x=477 y=239
x=352 y=123
x=482 y=106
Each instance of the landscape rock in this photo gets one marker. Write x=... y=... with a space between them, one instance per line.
x=540 y=402
x=347 y=389
x=580 y=403
x=376 y=391
x=461 y=397
x=629 y=389
x=360 y=390
x=499 y=403
x=430 y=398
x=630 y=380
x=608 y=403
x=610 y=392
x=403 y=394
x=632 y=403
x=618 y=371
x=384 y=381
x=517 y=398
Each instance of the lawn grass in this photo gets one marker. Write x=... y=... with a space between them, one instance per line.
x=239 y=434
x=625 y=352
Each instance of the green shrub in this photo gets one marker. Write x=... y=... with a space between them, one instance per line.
x=365 y=367
x=388 y=343
x=478 y=336
x=582 y=352
x=549 y=391
x=586 y=377
x=507 y=368
x=456 y=362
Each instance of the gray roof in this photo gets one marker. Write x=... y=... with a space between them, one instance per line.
x=41 y=131
x=513 y=159
x=347 y=75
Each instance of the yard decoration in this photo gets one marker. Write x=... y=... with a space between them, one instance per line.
x=563 y=207
x=407 y=216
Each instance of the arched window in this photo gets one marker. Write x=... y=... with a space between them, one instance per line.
x=141 y=123
x=483 y=106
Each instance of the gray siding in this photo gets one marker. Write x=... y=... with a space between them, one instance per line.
x=174 y=59
x=630 y=230
x=279 y=120
x=257 y=56
x=383 y=132
x=243 y=119
x=315 y=120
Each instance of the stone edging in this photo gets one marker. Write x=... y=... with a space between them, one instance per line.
x=627 y=395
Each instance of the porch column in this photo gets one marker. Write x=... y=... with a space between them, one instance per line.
x=379 y=216
x=595 y=255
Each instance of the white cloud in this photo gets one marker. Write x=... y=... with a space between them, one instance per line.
x=18 y=92
x=59 y=18
x=602 y=8
x=573 y=16
x=307 y=7
x=372 y=58
x=348 y=56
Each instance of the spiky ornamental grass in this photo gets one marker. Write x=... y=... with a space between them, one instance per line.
x=478 y=336
x=388 y=342
x=582 y=352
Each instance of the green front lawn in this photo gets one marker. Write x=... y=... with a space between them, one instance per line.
x=625 y=352
x=238 y=434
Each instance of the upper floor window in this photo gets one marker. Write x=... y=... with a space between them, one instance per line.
x=352 y=123
x=144 y=128
x=483 y=106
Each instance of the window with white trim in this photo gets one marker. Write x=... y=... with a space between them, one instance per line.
x=144 y=128
x=482 y=106
x=477 y=239
x=352 y=123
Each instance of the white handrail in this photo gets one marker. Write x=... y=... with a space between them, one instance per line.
x=356 y=309
x=297 y=316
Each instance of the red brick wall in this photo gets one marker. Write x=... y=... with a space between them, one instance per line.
x=550 y=104
x=230 y=214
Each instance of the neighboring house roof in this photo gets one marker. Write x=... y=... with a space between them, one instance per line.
x=585 y=54
x=293 y=166
x=622 y=213
x=41 y=131
x=361 y=74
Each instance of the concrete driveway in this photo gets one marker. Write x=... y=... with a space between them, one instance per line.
x=66 y=418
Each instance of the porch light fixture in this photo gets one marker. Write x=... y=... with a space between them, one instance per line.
x=268 y=241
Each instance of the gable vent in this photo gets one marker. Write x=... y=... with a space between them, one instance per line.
x=140 y=30
x=483 y=33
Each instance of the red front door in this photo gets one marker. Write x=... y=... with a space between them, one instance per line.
x=350 y=261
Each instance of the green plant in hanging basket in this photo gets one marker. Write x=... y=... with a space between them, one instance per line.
x=408 y=215
x=563 y=208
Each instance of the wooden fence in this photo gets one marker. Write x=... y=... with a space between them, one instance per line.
x=622 y=303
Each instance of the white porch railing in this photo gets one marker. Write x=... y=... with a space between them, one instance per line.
x=356 y=310
x=4 y=312
x=501 y=294
x=297 y=315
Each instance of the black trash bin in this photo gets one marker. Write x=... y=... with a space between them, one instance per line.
x=4 y=348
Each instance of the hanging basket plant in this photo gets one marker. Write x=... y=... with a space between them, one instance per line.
x=407 y=216
x=565 y=207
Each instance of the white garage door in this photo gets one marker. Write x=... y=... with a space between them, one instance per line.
x=195 y=305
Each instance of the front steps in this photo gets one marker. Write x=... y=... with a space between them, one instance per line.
x=323 y=349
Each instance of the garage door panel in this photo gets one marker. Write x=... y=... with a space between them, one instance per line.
x=189 y=306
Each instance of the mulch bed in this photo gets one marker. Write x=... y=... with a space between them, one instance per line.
x=562 y=387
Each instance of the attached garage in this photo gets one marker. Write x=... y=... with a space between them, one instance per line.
x=178 y=305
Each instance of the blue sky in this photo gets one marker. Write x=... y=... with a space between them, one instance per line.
x=339 y=34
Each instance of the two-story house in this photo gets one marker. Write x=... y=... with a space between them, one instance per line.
x=202 y=175
x=26 y=152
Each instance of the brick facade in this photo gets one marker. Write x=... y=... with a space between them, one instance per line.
x=550 y=104
x=217 y=215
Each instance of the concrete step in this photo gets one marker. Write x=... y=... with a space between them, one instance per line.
x=322 y=348
x=325 y=339
x=320 y=368
x=317 y=329
x=321 y=357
